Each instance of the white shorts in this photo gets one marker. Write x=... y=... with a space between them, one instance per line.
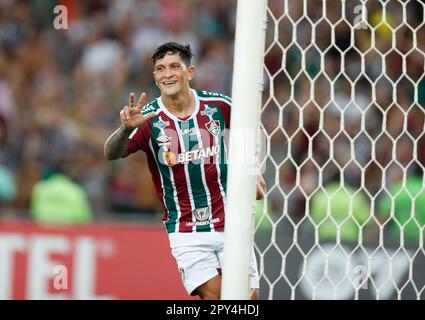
x=200 y=258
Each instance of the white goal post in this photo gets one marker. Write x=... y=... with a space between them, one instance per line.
x=246 y=97
x=340 y=86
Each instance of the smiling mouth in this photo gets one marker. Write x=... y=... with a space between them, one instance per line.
x=169 y=83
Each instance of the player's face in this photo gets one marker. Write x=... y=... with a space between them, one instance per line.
x=172 y=75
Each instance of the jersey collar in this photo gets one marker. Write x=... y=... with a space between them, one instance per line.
x=169 y=114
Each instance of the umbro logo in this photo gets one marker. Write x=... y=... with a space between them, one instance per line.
x=163 y=140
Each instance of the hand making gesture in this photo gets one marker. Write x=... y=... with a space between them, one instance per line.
x=131 y=115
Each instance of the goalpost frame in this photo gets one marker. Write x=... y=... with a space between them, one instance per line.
x=245 y=118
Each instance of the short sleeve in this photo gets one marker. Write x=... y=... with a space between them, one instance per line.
x=139 y=139
x=226 y=108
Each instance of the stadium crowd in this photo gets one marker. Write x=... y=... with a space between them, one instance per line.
x=61 y=92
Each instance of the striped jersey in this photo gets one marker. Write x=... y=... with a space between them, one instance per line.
x=187 y=161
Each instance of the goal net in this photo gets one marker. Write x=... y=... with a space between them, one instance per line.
x=343 y=116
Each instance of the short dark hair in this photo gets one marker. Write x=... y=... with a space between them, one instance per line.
x=184 y=52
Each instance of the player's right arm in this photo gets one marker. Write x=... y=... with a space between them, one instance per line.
x=131 y=118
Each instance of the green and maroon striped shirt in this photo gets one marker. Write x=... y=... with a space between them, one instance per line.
x=188 y=162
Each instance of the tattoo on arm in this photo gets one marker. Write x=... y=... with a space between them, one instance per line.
x=116 y=145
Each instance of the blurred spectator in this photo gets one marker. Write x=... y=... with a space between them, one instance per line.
x=67 y=86
x=59 y=200
x=7 y=178
x=339 y=210
x=7 y=187
x=264 y=217
x=130 y=192
x=404 y=208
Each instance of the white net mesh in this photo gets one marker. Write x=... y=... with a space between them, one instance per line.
x=343 y=114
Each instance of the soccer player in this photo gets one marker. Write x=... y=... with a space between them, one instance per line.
x=182 y=134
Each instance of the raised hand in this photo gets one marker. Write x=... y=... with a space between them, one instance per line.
x=131 y=116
